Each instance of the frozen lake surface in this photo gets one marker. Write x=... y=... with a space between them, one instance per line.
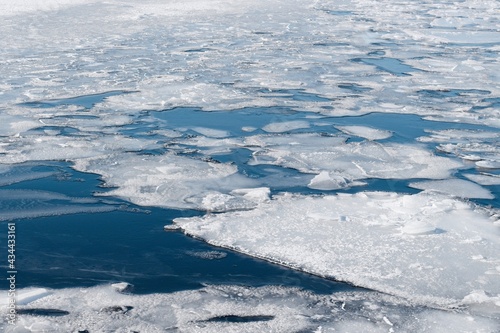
x=251 y=166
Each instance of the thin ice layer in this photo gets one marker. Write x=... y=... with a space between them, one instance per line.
x=21 y=204
x=229 y=308
x=428 y=247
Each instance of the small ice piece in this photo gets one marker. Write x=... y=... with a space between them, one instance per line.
x=171 y=227
x=122 y=287
x=457 y=187
x=327 y=181
x=248 y=129
x=211 y=132
x=366 y=132
x=285 y=126
x=259 y=194
x=488 y=164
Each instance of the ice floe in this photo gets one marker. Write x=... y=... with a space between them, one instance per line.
x=365 y=132
x=420 y=246
x=285 y=126
x=170 y=180
x=229 y=308
x=457 y=187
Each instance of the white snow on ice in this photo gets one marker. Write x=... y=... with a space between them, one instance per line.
x=311 y=153
x=428 y=247
x=457 y=187
x=365 y=132
x=235 y=309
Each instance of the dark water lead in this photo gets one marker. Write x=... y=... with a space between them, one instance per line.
x=238 y=319
x=43 y=312
x=444 y=93
x=86 y=101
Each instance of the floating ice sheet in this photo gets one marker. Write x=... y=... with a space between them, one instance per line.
x=285 y=126
x=235 y=309
x=484 y=179
x=170 y=180
x=428 y=247
x=457 y=187
x=365 y=132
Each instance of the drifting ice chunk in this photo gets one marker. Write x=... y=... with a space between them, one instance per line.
x=416 y=246
x=457 y=187
x=285 y=126
x=365 y=132
x=329 y=181
x=210 y=132
x=259 y=194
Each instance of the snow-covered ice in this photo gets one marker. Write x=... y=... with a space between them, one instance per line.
x=235 y=309
x=457 y=187
x=423 y=247
x=365 y=132
x=313 y=153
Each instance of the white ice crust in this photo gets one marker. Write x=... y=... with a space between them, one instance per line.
x=311 y=153
x=236 y=309
x=457 y=187
x=428 y=247
x=365 y=132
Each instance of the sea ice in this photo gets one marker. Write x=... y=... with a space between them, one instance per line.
x=285 y=126
x=229 y=308
x=312 y=153
x=478 y=146
x=484 y=178
x=365 y=132
x=416 y=246
x=170 y=180
x=456 y=187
